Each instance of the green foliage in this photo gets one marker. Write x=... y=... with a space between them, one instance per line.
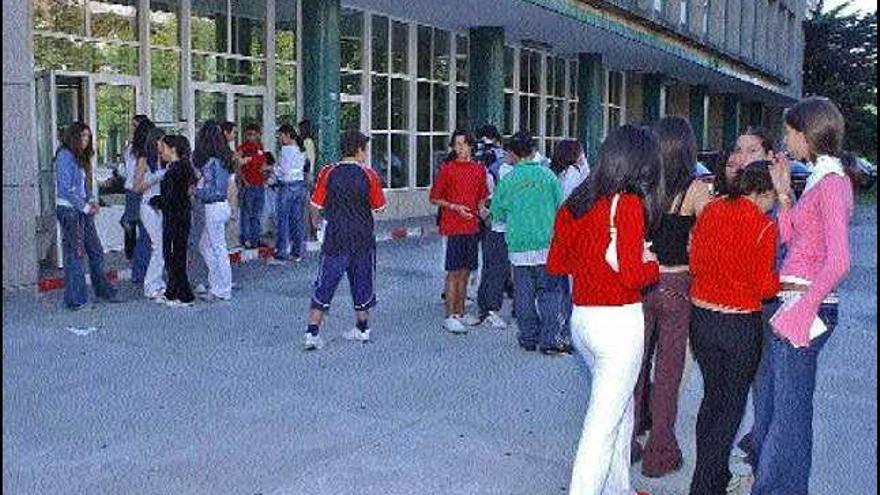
x=840 y=63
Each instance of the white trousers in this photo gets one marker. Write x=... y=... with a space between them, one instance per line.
x=612 y=340
x=153 y=280
x=213 y=248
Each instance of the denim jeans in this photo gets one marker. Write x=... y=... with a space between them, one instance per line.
x=540 y=309
x=783 y=432
x=496 y=271
x=253 y=200
x=197 y=268
x=290 y=220
x=79 y=237
x=141 y=255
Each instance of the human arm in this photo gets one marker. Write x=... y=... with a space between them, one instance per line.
x=65 y=169
x=835 y=208
x=439 y=193
x=780 y=173
x=561 y=256
x=635 y=271
x=377 y=196
x=766 y=277
x=500 y=207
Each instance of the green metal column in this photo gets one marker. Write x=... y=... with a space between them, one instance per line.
x=486 y=92
x=731 y=121
x=698 y=95
x=320 y=72
x=652 y=88
x=591 y=92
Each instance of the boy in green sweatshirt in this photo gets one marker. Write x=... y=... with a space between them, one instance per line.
x=526 y=201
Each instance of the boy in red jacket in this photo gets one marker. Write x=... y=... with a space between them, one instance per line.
x=253 y=171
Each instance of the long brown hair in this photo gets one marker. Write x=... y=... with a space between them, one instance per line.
x=71 y=139
x=822 y=124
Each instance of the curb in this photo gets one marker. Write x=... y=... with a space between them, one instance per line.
x=239 y=256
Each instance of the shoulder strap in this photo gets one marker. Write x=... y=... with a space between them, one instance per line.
x=614 y=202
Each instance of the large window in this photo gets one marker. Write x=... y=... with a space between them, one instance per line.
x=530 y=63
x=229 y=48
x=556 y=103
x=86 y=35
x=615 y=100
x=432 y=101
x=390 y=101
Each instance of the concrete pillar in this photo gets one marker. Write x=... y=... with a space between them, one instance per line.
x=486 y=92
x=591 y=93
x=698 y=108
x=731 y=120
x=320 y=73
x=20 y=193
x=652 y=88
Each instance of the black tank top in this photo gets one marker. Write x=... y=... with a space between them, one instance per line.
x=670 y=239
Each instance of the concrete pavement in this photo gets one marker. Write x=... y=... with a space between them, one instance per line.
x=219 y=399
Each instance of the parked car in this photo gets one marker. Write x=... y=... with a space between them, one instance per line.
x=863 y=173
x=799 y=175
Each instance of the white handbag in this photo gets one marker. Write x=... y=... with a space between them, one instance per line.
x=611 y=252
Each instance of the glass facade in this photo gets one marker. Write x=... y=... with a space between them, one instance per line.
x=403 y=83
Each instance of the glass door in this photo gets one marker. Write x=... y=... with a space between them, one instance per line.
x=209 y=105
x=113 y=104
x=249 y=110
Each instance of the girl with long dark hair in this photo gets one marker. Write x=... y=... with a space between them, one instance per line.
x=729 y=285
x=600 y=240
x=667 y=304
x=213 y=158
x=147 y=177
x=76 y=210
x=815 y=233
x=136 y=245
x=174 y=202
x=570 y=164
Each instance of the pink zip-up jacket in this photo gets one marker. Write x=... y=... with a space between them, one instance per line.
x=816 y=232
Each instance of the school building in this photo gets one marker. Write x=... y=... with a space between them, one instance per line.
x=405 y=72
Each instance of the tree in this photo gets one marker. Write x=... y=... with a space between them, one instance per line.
x=840 y=63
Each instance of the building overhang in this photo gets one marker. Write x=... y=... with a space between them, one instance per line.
x=626 y=41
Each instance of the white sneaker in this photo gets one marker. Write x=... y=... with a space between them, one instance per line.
x=472 y=320
x=313 y=342
x=453 y=325
x=158 y=297
x=180 y=304
x=200 y=289
x=356 y=335
x=496 y=321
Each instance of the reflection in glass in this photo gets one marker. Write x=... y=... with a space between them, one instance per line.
x=248 y=110
x=380 y=44
x=165 y=85
x=399 y=161
x=462 y=71
x=114 y=20
x=461 y=108
x=209 y=106
x=115 y=59
x=285 y=30
x=441 y=107
x=285 y=94
x=424 y=46
x=349 y=116
x=60 y=16
x=423 y=107
x=351 y=39
x=380 y=103
x=350 y=84
x=399 y=48
x=441 y=55
x=164 y=25
x=508 y=67
x=209 y=26
x=399 y=104
x=249 y=28
x=379 y=156
x=62 y=54
x=114 y=110
x=423 y=161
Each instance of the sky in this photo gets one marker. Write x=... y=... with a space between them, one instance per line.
x=859 y=5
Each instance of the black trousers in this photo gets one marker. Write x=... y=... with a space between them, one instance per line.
x=727 y=348
x=175 y=237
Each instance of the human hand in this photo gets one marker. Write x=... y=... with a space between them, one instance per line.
x=463 y=210
x=649 y=256
x=780 y=173
x=484 y=212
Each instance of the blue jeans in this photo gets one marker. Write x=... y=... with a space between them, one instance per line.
x=290 y=219
x=783 y=431
x=253 y=200
x=78 y=238
x=142 y=251
x=496 y=271
x=540 y=311
x=197 y=269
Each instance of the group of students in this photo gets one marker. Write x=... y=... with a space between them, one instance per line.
x=631 y=260
x=635 y=261
x=178 y=199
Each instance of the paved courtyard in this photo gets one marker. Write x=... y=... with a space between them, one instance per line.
x=219 y=399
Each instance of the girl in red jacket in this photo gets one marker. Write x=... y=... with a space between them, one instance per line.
x=599 y=239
